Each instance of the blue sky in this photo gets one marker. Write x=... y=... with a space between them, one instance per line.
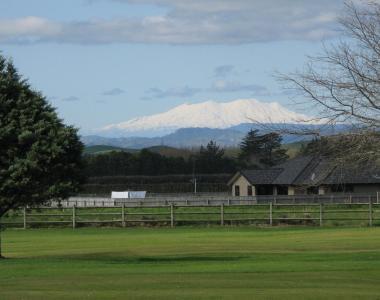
x=106 y=61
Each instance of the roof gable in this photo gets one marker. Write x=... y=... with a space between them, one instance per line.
x=266 y=176
x=292 y=169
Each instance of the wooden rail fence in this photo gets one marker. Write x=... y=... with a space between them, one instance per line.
x=173 y=215
x=212 y=200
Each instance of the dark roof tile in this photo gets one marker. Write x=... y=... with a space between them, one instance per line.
x=266 y=176
x=312 y=171
x=292 y=169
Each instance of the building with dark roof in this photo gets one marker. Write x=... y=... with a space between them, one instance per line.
x=306 y=175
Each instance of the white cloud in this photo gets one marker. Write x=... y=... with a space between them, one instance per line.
x=27 y=29
x=188 y=22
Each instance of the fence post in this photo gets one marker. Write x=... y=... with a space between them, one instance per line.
x=74 y=216
x=321 y=214
x=222 y=214
x=370 y=212
x=24 y=217
x=270 y=213
x=123 y=223
x=377 y=197
x=171 y=215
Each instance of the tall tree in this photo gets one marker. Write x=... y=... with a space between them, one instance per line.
x=271 y=152
x=250 y=146
x=211 y=159
x=261 y=150
x=342 y=84
x=40 y=157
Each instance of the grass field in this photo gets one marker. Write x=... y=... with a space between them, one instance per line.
x=191 y=263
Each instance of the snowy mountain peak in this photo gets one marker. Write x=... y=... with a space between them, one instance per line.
x=210 y=114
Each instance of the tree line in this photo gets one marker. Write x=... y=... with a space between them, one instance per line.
x=256 y=151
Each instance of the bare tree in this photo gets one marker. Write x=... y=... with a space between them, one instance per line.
x=343 y=84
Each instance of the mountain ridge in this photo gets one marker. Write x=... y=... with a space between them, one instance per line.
x=209 y=114
x=195 y=137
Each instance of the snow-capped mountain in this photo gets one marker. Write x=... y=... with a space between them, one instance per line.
x=209 y=114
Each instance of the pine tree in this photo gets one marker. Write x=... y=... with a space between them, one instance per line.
x=40 y=157
x=250 y=148
x=261 y=150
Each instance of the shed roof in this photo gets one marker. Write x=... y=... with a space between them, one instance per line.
x=311 y=171
x=266 y=176
x=292 y=169
x=359 y=176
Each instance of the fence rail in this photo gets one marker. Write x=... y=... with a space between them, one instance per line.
x=174 y=215
x=211 y=200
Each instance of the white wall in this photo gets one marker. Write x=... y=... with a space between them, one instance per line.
x=243 y=184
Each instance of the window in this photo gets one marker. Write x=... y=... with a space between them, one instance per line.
x=282 y=190
x=237 y=190
x=312 y=190
x=249 y=190
x=342 y=188
x=264 y=190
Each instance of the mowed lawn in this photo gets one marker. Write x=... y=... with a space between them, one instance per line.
x=191 y=263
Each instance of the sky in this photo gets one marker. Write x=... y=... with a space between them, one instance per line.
x=106 y=61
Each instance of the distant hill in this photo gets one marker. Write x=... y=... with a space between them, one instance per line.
x=162 y=150
x=182 y=138
x=195 y=137
x=97 y=149
x=291 y=148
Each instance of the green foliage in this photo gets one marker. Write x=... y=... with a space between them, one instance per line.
x=144 y=162
x=210 y=159
x=262 y=150
x=40 y=157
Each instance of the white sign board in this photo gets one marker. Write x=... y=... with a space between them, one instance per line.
x=137 y=194
x=128 y=195
x=120 y=195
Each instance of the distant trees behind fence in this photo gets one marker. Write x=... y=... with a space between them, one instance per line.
x=103 y=185
x=157 y=173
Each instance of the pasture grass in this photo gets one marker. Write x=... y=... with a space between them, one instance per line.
x=191 y=263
